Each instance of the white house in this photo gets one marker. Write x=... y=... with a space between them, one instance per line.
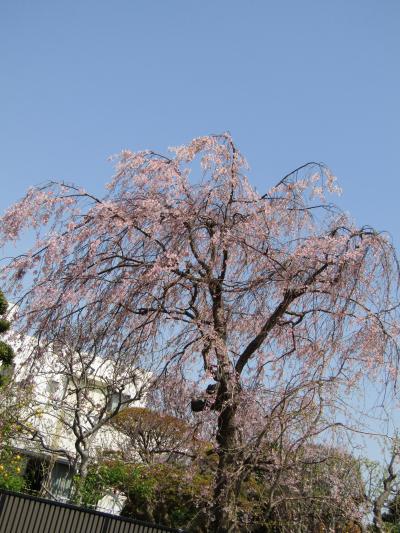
x=70 y=399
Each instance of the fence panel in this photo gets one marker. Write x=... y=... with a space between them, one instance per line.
x=22 y=513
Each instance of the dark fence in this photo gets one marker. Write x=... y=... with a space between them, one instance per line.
x=20 y=513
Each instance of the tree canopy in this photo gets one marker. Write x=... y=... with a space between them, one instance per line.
x=275 y=300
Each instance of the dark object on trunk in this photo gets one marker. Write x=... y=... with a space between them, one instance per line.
x=197 y=405
x=212 y=388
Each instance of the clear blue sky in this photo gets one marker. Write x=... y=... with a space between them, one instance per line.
x=292 y=80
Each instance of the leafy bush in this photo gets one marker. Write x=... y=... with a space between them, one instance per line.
x=4 y=325
x=168 y=494
x=3 y=304
x=11 y=470
x=6 y=352
x=318 y=496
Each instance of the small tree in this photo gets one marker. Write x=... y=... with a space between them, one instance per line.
x=382 y=491
x=82 y=380
x=391 y=518
x=153 y=437
x=323 y=490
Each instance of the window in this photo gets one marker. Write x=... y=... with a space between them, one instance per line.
x=53 y=387
x=35 y=474
x=61 y=481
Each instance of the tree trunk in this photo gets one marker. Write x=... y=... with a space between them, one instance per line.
x=377 y=520
x=81 y=469
x=226 y=487
x=226 y=404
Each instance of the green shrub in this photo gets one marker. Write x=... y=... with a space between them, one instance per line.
x=4 y=325
x=162 y=493
x=6 y=353
x=11 y=470
x=3 y=304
